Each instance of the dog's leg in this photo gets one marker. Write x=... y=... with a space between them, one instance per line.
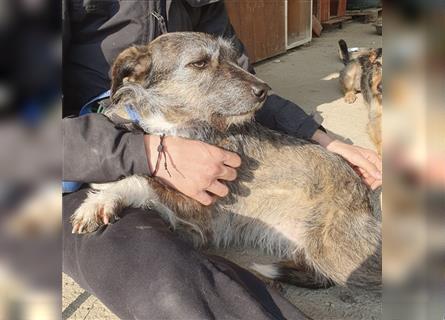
x=102 y=205
x=375 y=135
x=375 y=130
x=296 y=273
x=350 y=97
x=350 y=81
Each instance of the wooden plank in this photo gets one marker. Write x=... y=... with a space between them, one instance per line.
x=366 y=15
x=363 y=11
x=247 y=35
x=298 y=20
x=342 y=8
x=316 y=27
x=333 y=8
x=335 y=22
x=260 y=26
x=316 y=9
x=324 y=10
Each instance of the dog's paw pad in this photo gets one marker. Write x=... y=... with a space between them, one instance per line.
x=91 y=215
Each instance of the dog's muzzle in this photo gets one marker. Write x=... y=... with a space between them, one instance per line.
x=260 y=90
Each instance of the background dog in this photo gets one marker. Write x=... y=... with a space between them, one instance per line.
x=372 y=90
x=292 y=198
x=364 y=73
x=351 y=74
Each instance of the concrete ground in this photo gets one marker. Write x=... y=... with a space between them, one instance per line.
x=298 y=76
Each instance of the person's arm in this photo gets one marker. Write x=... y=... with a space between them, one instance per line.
x=96 y=151
x=285 y=116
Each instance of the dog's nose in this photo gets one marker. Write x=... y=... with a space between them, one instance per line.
x=259 y=90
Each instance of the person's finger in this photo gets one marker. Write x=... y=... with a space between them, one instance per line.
x=375 y=159
x=231 y=159
x=365 y=174
x=378 y=162
x=368 y=180
x=366 y=177
x=376 y=184
x=360 y=161
x=219 y=189
x=203 y=198
x=228 y=173
x=361 y=172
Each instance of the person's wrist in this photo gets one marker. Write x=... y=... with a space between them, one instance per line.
x=151 y=142
x=323 y=139
x=335 y=146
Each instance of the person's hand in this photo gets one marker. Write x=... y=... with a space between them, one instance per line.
x=366 y=162
x=195 y=168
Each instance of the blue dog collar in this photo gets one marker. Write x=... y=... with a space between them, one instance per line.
x=133 y=114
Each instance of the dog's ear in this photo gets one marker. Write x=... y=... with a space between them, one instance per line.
x=132 y=64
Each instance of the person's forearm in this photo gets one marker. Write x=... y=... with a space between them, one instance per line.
x=96 y=151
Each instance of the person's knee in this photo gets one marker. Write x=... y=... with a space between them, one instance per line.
x=143 y=239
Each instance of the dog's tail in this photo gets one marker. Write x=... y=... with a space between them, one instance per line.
x=344 y=53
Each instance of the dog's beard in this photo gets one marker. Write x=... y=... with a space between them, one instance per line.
x=223 y=123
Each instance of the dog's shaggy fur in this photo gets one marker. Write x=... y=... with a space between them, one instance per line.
x=292 y=198
x=372 y=90
x=364 y=73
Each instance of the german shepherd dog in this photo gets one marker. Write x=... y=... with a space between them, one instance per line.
x=292 y=198
x=364 y=73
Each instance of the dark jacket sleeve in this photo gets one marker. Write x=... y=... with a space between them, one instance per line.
x=96 y=151
x=277 y=113
x=285 y=116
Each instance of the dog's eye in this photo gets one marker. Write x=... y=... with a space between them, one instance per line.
x=200 y=64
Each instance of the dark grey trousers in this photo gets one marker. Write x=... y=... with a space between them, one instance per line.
x=141 y=270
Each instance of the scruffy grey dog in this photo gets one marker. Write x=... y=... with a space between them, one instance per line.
x=292 y=198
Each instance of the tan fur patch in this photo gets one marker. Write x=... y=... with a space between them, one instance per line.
x=184 y=207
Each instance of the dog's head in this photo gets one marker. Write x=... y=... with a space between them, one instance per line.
x=376 y=59
x=374 y=62
x=182 y=80
x=376 y=55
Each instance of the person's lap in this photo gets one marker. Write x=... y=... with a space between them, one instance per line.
x=140 y=269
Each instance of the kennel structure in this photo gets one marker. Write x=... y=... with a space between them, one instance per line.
x=268 y=28
x=326 y=10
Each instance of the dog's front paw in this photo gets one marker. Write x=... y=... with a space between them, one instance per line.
x=350 y=97
x=92 y=214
